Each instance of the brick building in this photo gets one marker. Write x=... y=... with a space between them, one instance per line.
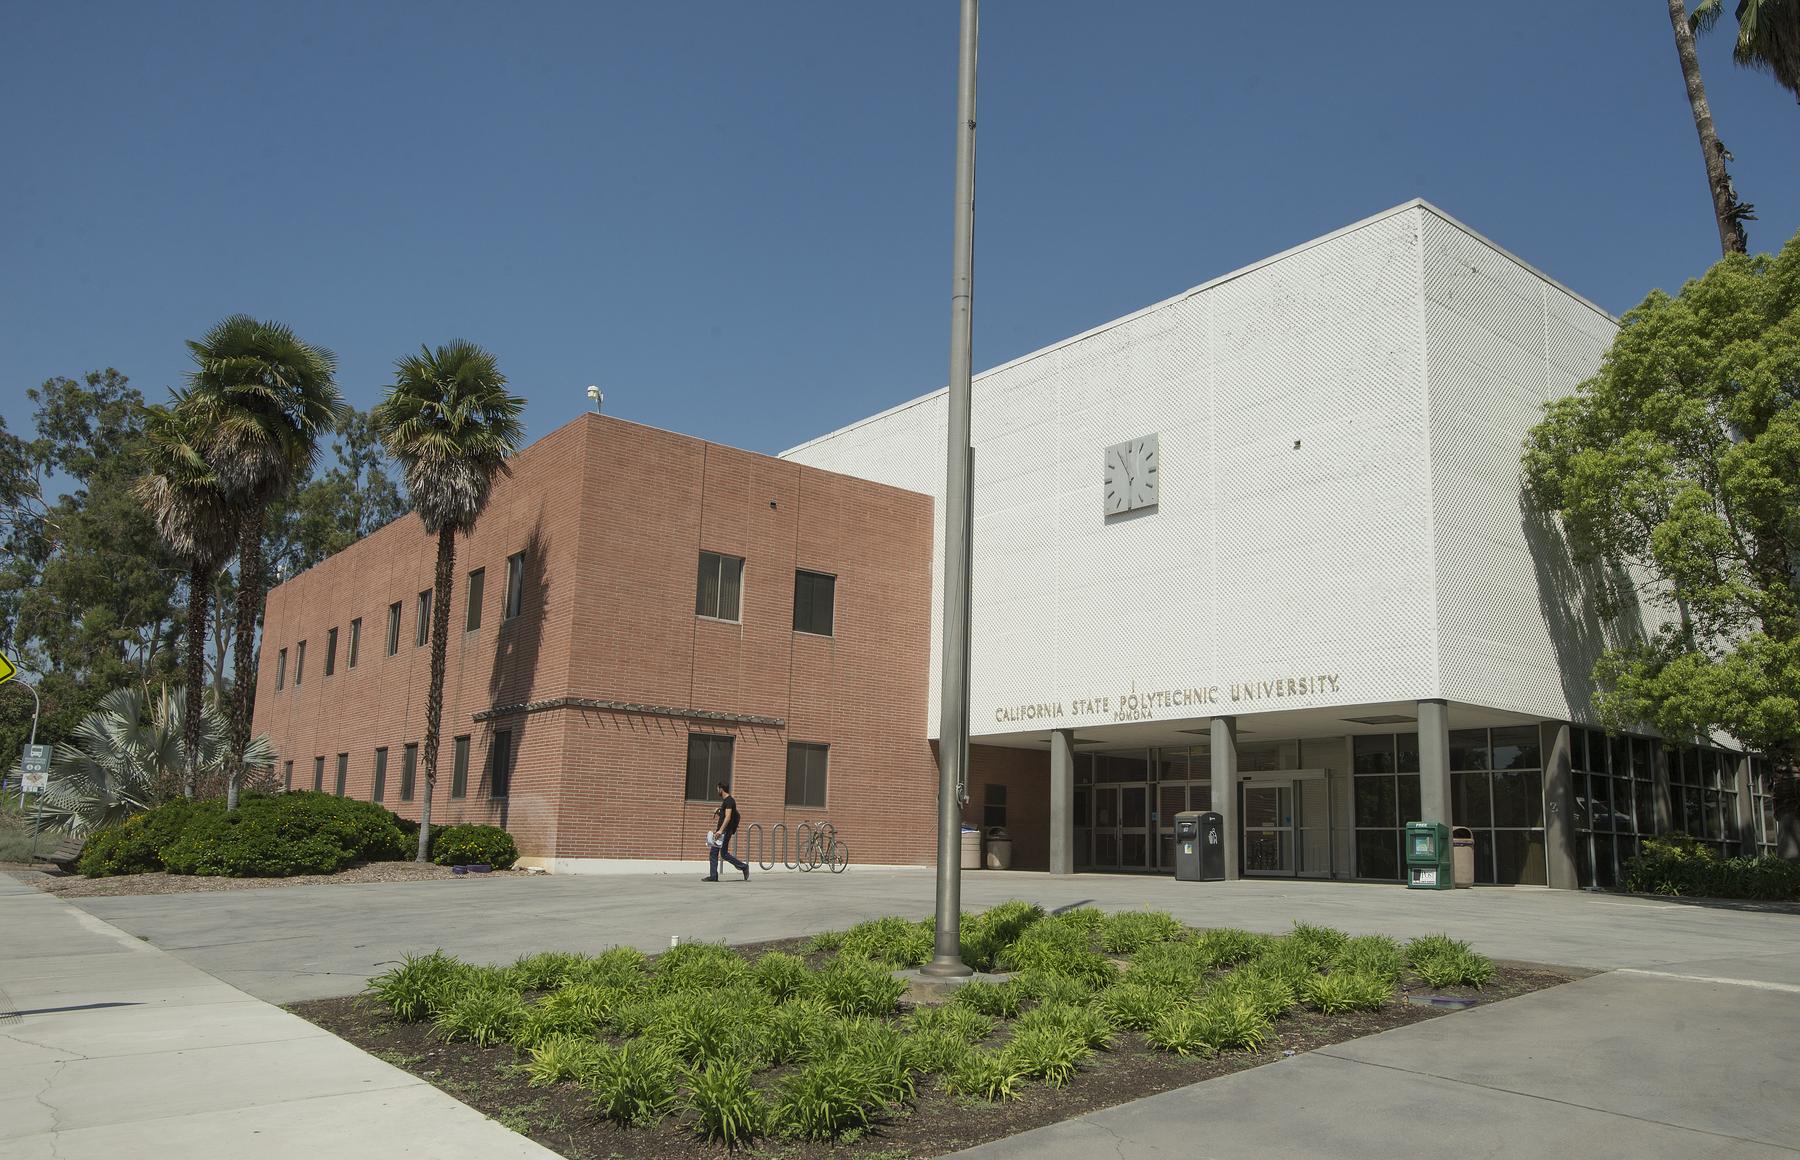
x=635 y=613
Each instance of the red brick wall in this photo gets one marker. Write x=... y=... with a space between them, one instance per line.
x=612 y=517
x=1026 y=776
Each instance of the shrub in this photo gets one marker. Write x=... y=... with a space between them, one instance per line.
x=135 y=845
x=824 y=1099
x=1050 y=987
x=725 y=1105
x=1329 y=994
x=1235 y=1021
x=985 y=1075
x=1227 y=947
x=1183 y=1030
x=417 y=988
x=697 y=966
x=1292 y=962
x=824 y=942
x=1003 y=1000
x=890 y=940
x=1052 y=1054
x=986 y=936
x=545 y=971
x=561 y=1057
x=781 y=976
x=796 y=1029
x=1089 y=918
x=482 y=1014
x=1131 y=931
x=936 y=1050
x=621 y=967
x=1090 y=1027
x=1179 y=966
x=1318 y=945
x=292 y=833
x=880 y=1054
x=1270 y=993
x=1682 y=866
x=636 y=1085
x=579 y=1009
x=468 y=845
x=1446 y=962
x=710 y=1026
x=859 y=987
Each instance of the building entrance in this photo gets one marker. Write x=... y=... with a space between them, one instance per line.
x=1287 y=824
x=1119 y=827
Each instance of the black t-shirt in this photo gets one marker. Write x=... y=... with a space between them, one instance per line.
x=729 y=805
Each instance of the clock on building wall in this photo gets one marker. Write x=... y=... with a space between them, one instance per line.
x=1131 y=470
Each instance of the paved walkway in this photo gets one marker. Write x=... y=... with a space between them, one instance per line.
x=110 y=1048
x=1688 y=1045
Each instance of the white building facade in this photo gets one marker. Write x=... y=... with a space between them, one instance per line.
x=1260 y=548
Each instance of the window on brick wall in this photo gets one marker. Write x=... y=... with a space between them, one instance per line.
x=477 y=581
x=993 y=805
x=287 y=775
x=721 y=586
x=331 y=652
x=424 y=633
x=280 y=670
x=500 y=764
x=355 y=643
x=299 y=661
x=806 y=775
x=343 y=773
x=318 y=775
x=708 y=764
x=815 y=599
x=409 y=769
x=378 y=790
x=393 y=637
x=459 y=771
x=515 y=584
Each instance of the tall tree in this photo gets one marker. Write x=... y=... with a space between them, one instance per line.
x=1728 y=211
x=451 y=424
x=1680 y=460
x=264 y=399
x=199 y=523
x=1768 y=38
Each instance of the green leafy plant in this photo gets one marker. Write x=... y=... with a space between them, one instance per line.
x=1227 y=946
x=1184 y=1030
x=795 y=1030
x=986 y=936
x=890 y=940
x=1002 y=1000
x=1237 y=1021
x=284 y=835
x=710 y=1026
x=417 y=988
x=1330 y=994
x=824 y=1100
x=964 y=1022
x=1317 y=944
x=578 y=1009
x=1130 y=931
x=563 y=1057
x=1050 y=1053
x=469 y=845
x=481 y=1014
x=622 y=967
x=1374 y=954
x=1271 y=993
x=985 y=1075
x=1092 y=1028
x=1176 y=966
x=781 y=976
x=1136 y=1005
x=934 y=1050
x=545 y=971
x=637 y=1085
x=825 y=942
x=697 y=966
x=1046 y=986
x=1685 y=867
x=858 y=987
x=727 y=1107
x=1446 y=962
x=880 y=1053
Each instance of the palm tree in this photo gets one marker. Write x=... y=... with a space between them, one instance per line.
x=197 y=521
x=1768 y=36
x=1728 y=211
x=264 y=398
x=451 y=425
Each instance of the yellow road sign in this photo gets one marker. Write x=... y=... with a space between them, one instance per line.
x=7 y=668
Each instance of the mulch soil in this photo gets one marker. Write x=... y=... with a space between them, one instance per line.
x=561 y=1118
x=75 y=886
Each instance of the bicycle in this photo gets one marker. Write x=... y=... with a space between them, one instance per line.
x=819 y=845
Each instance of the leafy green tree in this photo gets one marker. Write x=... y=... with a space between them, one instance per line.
x=451 y=424
x=1768 y=37
x=1728 y=212
x=199 y=523
x=1680 y=460
x=358 y=494
x=264 y=398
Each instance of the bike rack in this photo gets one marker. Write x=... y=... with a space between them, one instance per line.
x=762 y=843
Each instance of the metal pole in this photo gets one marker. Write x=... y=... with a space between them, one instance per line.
x=953 y=733
x=37 y=824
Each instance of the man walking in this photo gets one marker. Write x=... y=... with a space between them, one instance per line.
x=725 y=825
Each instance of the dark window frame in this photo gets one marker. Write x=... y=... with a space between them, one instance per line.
x=287 y=775
x=814 y=775
x=393 y=634
x=331 y=639
x=355 y=643
x=990 y=802
x=423 y=636
x=319 y=774
x=712 y=569
x=299 y=663
x=280 y=670
x=477 y=582
x=459 y=767
x=515 y=586
x=409 y=770
x=809 y=588
x=378 y=787
x=343 y=773
x=717 y=752
x=500 y=764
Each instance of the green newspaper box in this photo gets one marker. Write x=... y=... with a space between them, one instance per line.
x=1428 y=857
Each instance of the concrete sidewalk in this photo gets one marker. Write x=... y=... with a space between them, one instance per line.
x=111 y=1048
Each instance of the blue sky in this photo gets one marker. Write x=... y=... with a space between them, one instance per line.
x=735 y=217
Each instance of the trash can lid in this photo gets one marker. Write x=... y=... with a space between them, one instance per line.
x=999 y=832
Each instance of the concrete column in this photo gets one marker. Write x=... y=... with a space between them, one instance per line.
x=1224 y=788
x=1660 y=800
x=1746 y=810
x=1062 y=801
x=1434 y=763
x=1560 y=834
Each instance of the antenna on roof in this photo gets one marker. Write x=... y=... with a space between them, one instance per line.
x=597 y=395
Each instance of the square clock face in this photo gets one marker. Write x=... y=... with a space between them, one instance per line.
x=1131 y=469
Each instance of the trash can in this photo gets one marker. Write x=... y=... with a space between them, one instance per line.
x=1428 y=856
x=999 y=849
x=1199 y=847
x=1462 y=849
x=971 y=848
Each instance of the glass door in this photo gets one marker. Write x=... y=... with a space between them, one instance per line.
x=1106 y=827
x=1084 y=833
x=1269 y=829
x=1173 y=797
x=1120 y=829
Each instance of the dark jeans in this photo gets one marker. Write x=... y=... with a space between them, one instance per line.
x=723 y=850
